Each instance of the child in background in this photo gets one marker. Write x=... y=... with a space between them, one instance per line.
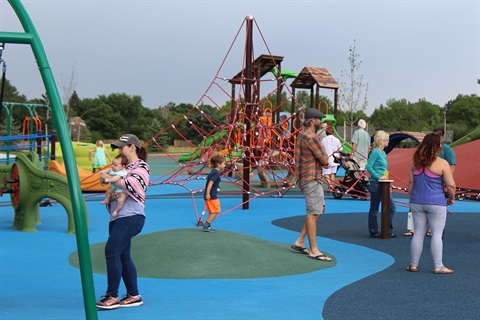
x=211 y=190
x=117 y=172
x=100 y=156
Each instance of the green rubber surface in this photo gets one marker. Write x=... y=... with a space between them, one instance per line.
x=195 y=254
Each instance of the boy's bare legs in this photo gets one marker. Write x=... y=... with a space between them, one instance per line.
x=211 y=217
x=121 y=197
x=207 y=226
x=108 y=196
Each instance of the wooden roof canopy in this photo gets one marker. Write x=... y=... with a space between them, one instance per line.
x=306 y=79
x=309 y=76
x=261 y=66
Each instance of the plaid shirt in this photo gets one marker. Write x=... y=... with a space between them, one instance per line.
x=308 y=150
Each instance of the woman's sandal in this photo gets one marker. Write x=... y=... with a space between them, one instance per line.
x=412 y=269
x=409 y=234
x=443 y=270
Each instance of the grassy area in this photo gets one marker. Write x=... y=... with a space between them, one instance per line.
x=172 y=149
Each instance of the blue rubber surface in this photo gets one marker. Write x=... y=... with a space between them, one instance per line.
x=36 y=280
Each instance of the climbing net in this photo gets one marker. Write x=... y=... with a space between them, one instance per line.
x=253 y=135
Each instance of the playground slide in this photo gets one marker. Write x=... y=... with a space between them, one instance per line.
x=89 y=182
x=286 y=74
x=472 y=136
x=346 y=146
x=199 y=150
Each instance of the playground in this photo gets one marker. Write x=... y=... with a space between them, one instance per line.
x=254 y=273
x=247 y=268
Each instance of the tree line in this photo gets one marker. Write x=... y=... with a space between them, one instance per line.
x=108 y=116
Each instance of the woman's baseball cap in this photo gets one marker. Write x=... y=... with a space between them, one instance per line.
x=127 y=139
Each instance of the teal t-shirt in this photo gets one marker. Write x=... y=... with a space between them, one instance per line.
x=377 y=164
x=448 y=154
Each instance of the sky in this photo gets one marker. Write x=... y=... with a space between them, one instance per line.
x=171 y=51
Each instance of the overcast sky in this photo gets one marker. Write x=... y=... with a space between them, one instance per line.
x=170 y=51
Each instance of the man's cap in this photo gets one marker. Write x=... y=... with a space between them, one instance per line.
x=127 y=139
x=312 y=113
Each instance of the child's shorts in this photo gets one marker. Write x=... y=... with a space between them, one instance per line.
x=213 y=205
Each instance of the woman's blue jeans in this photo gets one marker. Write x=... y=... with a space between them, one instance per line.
x=117 y=254
x=375 y=199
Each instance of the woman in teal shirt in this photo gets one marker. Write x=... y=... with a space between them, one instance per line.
x=377 y=167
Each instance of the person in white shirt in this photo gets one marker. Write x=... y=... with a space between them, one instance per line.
x=332 y=145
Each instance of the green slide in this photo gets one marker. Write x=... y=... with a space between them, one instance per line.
x=286 y=74
x=472 y=136
x=199 y=150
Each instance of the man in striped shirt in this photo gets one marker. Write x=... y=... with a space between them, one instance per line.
x=310 y=157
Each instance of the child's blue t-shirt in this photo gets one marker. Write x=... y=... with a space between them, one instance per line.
x=214 y=176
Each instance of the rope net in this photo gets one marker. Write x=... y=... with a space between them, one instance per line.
x=251 y=136
x=255 y=137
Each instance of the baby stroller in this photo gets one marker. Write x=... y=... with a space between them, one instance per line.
x=355 y=182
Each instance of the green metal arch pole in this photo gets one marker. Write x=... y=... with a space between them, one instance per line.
x=31 y=37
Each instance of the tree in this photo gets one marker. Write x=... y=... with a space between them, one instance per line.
x=303 y=97
x=74 y=103
x=104 y=123
x=152 y=130
x=425 y=116
x=343 y=116
x=11 y=94
x=198 y=126
x=84 y=107
x=353 y=90
x=285 y=105
x=392 y=117
x=126 y=113
x=68 y=88
x=401 y=115
x=164 y=113
x=463 y=114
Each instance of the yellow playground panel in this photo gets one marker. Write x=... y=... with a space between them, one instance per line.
x=80 y=150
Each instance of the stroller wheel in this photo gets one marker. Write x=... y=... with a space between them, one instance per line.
x=337 y=194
